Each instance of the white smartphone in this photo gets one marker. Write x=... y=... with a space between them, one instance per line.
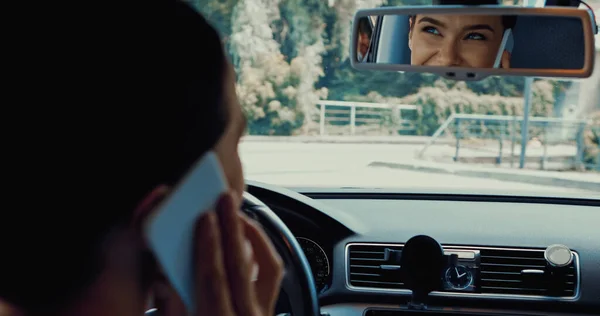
x=506 y=45
x=170 y=229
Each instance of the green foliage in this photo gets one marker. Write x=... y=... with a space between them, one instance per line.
x=217 y=12
x=303 y=18
x=443 y=98
x=592 y=141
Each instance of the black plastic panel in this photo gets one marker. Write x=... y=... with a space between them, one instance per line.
x=452 y=219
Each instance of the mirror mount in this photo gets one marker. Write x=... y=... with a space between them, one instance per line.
x=592 y=14
x=563 y=3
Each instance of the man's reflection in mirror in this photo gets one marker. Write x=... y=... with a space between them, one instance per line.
x=459 y=40
x=364 y=40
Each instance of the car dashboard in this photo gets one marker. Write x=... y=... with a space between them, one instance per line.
x=353 y=238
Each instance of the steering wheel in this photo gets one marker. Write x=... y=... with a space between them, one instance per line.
x=298 y=283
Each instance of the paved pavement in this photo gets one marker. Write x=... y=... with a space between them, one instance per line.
x=381 y=165
x=329 y=139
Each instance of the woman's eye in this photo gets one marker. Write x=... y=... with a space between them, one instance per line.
x=431 y=30
x=475 y=36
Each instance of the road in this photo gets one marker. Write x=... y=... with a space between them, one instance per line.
x=347 y=165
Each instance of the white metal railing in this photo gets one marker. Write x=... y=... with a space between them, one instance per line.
x=510 y=123
x=367 y=105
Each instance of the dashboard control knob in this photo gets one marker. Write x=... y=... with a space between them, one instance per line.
x=558 y=256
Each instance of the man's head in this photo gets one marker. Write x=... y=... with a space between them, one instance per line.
x=458 y=40
x=364 y=36
x=110 y=120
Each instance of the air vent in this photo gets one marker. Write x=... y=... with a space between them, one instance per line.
x=523 y=272
x=375 y=266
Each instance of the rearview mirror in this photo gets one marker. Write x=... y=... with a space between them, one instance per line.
x=471 y=43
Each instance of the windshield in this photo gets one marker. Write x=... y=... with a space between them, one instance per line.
x=314 y=121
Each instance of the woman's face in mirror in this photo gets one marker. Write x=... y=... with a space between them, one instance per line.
x=456 y=40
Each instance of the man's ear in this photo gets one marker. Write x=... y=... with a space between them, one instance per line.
x=505 y=61
x=148 y=204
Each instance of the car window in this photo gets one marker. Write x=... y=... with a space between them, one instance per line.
x=315 y=121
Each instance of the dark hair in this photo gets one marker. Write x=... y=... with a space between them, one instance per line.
x=127 y=106
x=364 y=26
